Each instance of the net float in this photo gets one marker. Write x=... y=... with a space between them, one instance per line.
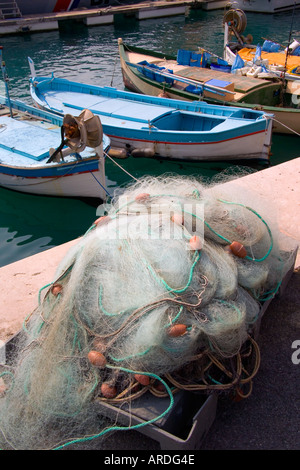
x=108 y=391
x=195 y=243
x=56 y=289
x=142 y=379
x=3 y=390
x=142 y=197
x=177 y=330
x=96 y=359
x=102 y=220
x=238 y=249
x=177 y=219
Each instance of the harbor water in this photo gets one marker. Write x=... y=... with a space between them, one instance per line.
x=30 y=224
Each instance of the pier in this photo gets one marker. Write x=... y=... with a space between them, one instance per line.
x=96 y=16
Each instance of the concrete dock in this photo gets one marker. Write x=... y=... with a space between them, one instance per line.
x=95 y=16
x=270 y=417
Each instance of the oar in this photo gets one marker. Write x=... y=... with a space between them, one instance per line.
x=211 y=88
x=5 y=79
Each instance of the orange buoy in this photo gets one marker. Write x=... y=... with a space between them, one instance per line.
x=97 y=359
x=56 y=289
x=142 y=197
x=177 y=219
x=238 y=249
x=98 y=345
x=177 y=330
x=108 y=391
x=102 y=220
x=142 y=379
x=195 y=243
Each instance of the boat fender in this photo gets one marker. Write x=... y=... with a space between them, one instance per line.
x=118 y=153
x=142 y=153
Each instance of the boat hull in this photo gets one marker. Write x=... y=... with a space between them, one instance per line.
x=26 y=144
x=286 y=119
x=34 y=7
x=63 y=183
x=224 y=149
x=158 y=127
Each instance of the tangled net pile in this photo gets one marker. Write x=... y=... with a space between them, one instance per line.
x=161 y=294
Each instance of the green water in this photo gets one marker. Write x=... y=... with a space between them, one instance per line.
x=30 y=224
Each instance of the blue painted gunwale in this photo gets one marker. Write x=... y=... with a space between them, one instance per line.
x=131 y=126
x=37 y=167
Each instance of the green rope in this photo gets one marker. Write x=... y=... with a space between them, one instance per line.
x=125 y=428
x=196 y=257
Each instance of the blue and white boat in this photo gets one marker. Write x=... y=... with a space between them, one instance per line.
x=152 y=126
x=28 y=139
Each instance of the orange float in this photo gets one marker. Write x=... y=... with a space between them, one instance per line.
x=238 y=249
x=142 y=379
x=97 y=359
x=195 y=243
x=108 y=390
x=177 y=330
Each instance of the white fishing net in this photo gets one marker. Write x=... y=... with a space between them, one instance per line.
x=155 y=286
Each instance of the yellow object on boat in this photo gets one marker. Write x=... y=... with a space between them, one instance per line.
x=274 y=58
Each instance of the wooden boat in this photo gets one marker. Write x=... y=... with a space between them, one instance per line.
x=157 y=127
x=183 y=77
x=266 y=61
x=29 y=138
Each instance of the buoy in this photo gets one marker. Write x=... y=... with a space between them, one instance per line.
x=56 y=289
x=238 y=249
x=195 y=243
x=177 y=219
x=108 y=391
x=102 y=220
x=97 y=359
x=142 y=379
x=142 y=197
x=177 y=330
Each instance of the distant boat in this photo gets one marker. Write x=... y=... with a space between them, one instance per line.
x=266 y=6
x=158 y=127
x=29 y=139
x=34 y=7
x=186 y=77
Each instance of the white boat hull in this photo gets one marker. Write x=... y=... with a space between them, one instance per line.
x=34 y=7
x=266 y=6
x=229 y=149
x=88 y=184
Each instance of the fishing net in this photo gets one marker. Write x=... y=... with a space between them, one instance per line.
x=160 y=294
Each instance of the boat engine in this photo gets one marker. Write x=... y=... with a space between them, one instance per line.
x=77 y=133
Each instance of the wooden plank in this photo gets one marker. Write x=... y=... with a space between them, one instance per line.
x=242 y=84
